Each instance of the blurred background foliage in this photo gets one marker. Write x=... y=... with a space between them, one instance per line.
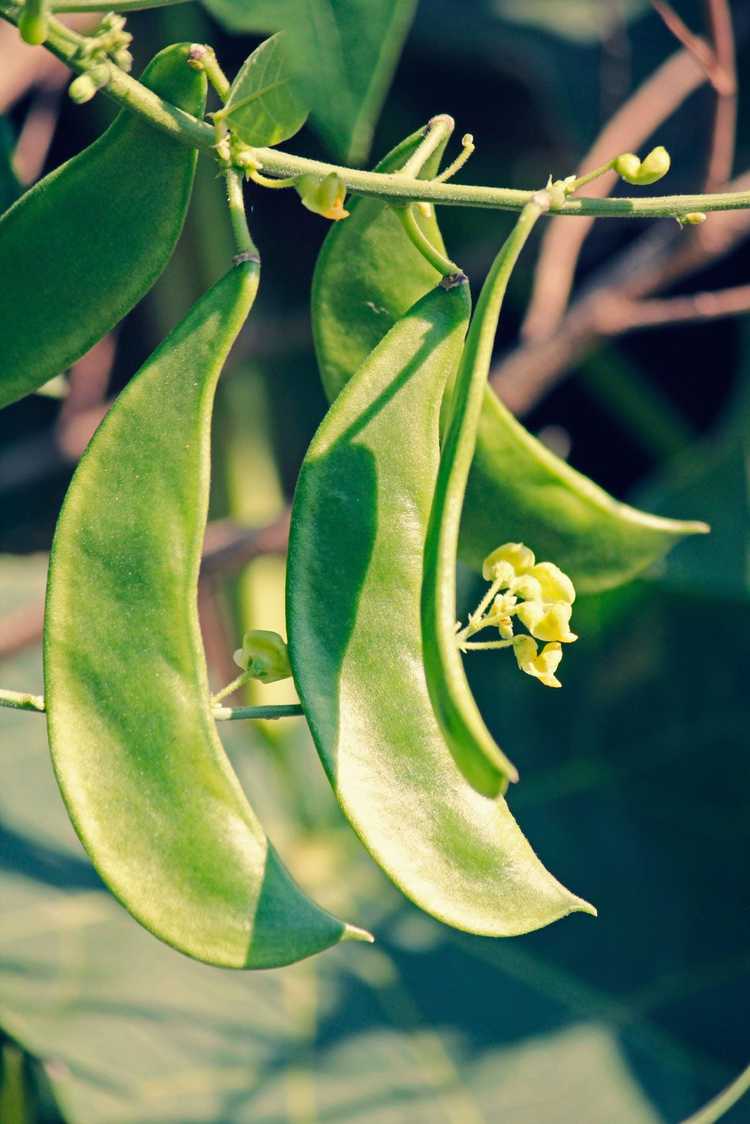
x=634 y=778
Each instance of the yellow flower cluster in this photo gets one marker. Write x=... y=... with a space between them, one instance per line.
x=539 y=595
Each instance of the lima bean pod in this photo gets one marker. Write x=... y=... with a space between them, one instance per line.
x=100 y=230
x=356 y=549
x=477 y=754
x=142 y=771
x=368 y=274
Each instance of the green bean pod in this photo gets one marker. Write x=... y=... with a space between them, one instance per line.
x=477 y=754
x=142 y=771
x=86 y=243
x=359 y=522
x=368 y=274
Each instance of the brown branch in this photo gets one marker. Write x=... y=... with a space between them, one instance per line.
x=620 y=315
x=721 y=157
x=701 y=51
x=651 y=104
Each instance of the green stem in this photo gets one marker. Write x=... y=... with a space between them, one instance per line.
x=282 y=710
x=22 y=700
x=420 y=240
x=230 y=688
x=112 y=6
x=721 y=1103
x=243 y=240
x=393 y=187
x=204 y=57
x=486 y=645
x=437 y=131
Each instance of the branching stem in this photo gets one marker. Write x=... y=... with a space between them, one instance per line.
x=22 y=700
x=394 y=187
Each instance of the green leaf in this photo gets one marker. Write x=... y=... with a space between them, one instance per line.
x=117 y=210
x=264 y=106
x=344 y=52
x=354 y=579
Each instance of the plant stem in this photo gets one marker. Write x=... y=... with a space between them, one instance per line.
x=22 y=700
x=113 y=6
x=393 y=187
x=437 y=131
x=230 y=688
x=721 y=1103
x=420 y=240
x=205 y=58
x=243 y=240
x=282 y=710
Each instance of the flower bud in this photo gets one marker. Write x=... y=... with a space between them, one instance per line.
x=515 y=554
x=643 y=172
x=263 y=656
x=323 y=196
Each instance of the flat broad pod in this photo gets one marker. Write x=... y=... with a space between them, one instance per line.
x=478 y=756
x=102 y=228
x=142 y=771
x=368 y=274
x=356 y=556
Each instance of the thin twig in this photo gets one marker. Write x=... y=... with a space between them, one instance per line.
x=701 y=51
x=721 y=157
x=624 y=315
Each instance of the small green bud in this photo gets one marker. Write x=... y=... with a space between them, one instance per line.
x=323 y=196
x=124 y=59
x=32 y=24
x=87 y=85
x=692 y=218
x=263 y=656
x=643 y=172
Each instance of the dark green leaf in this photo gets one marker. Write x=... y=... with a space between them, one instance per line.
x=344 y=53
x=264 y=105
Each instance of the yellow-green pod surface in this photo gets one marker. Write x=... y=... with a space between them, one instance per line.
x=86 y=243
x=368 y=274
x=354 y=579
x=141 y=768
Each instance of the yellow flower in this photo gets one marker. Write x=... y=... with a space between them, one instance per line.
x=542 y=665
x=547 y=621
x=555 y=585
x=512 y=558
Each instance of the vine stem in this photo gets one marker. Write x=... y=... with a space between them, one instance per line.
x=393 y=187
x=22 y=700
x=723 y=1101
